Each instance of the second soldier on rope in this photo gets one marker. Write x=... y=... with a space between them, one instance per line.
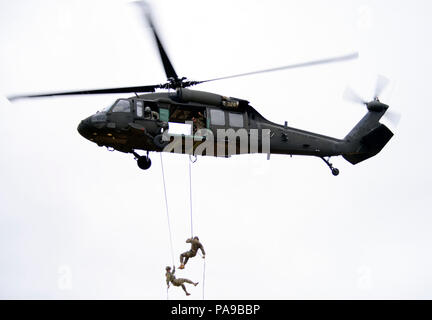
x=170 y=278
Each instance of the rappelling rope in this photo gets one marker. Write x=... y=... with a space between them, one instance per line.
x=190 y=195
x=167 y=211
x=167 y=214
x=191 y=216
x=203 y=278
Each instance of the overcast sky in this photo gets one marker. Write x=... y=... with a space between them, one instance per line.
x=79 y=222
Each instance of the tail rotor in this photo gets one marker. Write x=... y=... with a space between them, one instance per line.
x=375 y=105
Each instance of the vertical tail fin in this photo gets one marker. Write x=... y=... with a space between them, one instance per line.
x=369 y=136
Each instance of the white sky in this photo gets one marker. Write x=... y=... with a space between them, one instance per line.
x=80 y=222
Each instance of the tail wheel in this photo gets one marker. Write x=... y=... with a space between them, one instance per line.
x=334 y=171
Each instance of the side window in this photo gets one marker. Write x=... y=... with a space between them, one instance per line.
x=122 y=106
x=236 y=120
x=217 y=117
x=139 y=108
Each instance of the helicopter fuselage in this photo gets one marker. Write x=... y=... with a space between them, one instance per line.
x=219 y=126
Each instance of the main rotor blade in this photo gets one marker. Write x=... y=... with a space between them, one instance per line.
x=292 y=66
x=169 y=69
x=98 y=91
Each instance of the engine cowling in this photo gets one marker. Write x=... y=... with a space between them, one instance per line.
x=186 y=95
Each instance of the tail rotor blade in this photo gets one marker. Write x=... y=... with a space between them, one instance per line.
x=351 y=96
x=382 y=83
x=393 y=117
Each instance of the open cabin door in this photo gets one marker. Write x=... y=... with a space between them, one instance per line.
x=184 y=123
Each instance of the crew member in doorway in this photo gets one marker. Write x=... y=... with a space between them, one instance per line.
x=198 y=122
x=147 y=112
x=195 y=245
x=150 y=114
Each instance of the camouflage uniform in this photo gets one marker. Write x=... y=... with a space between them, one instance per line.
x=170 y=277
x=195 y=245
x=198 y=124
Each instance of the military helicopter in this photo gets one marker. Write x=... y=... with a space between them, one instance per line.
x=142 y=122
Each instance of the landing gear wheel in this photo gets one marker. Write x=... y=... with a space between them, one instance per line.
x=335 y=172
x=144 y=162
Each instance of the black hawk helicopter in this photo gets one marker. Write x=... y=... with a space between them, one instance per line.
x=142 y=122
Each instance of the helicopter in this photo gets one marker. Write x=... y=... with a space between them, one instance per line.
x=219 y=125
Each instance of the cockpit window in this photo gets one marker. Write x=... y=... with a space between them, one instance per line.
x=236 y=119
x=122 y=105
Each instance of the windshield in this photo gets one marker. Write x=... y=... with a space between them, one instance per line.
x=122 y=105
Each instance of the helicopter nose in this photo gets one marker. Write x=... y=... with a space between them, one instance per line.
x=85 y=128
